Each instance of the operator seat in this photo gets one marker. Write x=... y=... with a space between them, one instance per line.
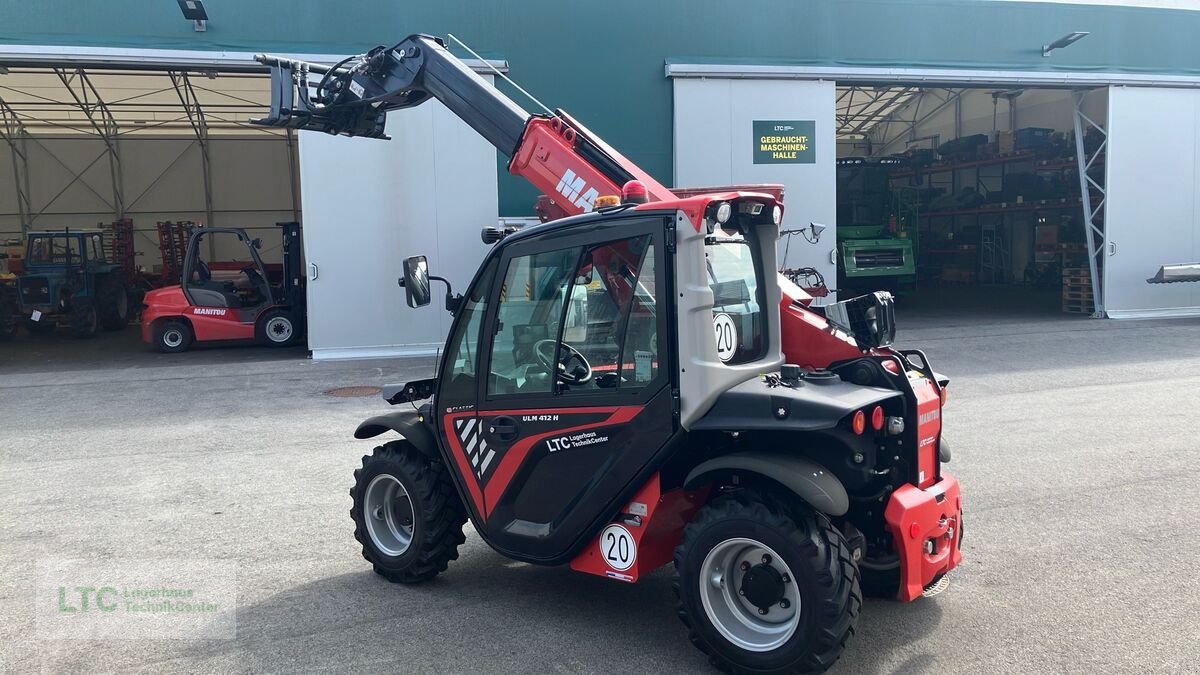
x=208 y=293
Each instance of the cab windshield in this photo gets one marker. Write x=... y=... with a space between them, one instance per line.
x=733 y=276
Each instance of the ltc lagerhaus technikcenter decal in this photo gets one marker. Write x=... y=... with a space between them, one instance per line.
x=784 y=142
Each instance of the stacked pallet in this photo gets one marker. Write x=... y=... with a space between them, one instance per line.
x=1077 y=291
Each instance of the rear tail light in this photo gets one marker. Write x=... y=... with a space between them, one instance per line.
x=877 y=418
x=944 y=395
x=859 y=422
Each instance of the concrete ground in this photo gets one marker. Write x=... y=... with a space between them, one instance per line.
x=1074 y=441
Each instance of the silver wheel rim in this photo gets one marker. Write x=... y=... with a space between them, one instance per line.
x=279 y=329
x=388 y=513
x=172 y=337
x=731 y=613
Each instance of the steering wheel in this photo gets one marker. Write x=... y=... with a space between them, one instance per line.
x=572 y=368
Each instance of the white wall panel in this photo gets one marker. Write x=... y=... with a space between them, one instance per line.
x=1153 y=167
x=368 y=204
x=714 y=145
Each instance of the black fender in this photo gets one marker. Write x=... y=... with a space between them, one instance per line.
x=408 y=423
x=815 y=404
x=807 y=479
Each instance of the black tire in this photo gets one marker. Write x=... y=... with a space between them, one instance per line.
x=821 y=565
x=112 y=303
x=276 y=328
x=436 y=515
x=43 y=327
x=880 y=576
x=85 y=322
x=173 y=336
x=8 y=315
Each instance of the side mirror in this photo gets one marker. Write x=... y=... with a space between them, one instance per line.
x=416 y=281
x=256 y=243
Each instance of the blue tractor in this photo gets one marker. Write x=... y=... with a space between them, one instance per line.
x=68 y=281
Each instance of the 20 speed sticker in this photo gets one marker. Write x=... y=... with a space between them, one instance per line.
x=727 y=337
x=618 y=547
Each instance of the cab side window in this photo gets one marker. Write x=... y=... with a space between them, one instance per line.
x=564 y=312
x=463 y=352
x=532 y=297
x=612 y=301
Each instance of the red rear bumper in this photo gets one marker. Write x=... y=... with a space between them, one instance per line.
x=926 y=526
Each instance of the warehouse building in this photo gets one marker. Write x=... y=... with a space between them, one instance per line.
x=996 y=153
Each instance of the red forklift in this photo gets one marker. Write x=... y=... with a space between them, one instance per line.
x=633 y=386
x=232 y=299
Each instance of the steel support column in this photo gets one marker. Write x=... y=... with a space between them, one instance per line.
x=14 y=134
x=1091 y=191
x=195 y=114
x=88 y=100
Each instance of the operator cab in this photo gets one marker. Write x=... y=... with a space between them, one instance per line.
x=223 y=270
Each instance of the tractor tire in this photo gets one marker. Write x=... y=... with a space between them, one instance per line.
x=42 y=327
x=113 y=304
x=173 y=336
x=276 y=328
x=407 y=515
x=85 y=322
x=764 y=588
x=8 y=315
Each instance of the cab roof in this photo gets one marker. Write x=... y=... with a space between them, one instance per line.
x=692 y=206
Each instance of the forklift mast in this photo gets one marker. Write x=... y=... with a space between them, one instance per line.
x=292 y=285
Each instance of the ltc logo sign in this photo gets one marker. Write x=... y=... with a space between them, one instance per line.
x=576 y=190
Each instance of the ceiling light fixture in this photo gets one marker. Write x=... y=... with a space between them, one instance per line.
x=1064 y=41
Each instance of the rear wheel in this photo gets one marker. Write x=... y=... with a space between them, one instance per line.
x=276 y=328
x=113 y=304
x=84 y=321
x=173 y=336
x=406 y=514
x=765 y=588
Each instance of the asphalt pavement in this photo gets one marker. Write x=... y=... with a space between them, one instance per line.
x=1073 y=439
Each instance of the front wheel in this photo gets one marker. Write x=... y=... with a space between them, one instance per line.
x=765 y=588
x=276 y=328
x=406 y=513
x=84 y=321
x=8 y=316
x=113 y=305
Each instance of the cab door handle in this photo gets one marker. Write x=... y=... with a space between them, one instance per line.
x=503 y=428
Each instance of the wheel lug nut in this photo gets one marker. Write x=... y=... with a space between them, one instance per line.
x=766 y=559
x=745 y=565
x=762 y=610
x=741 y=592
x=784 y=604
x=786 y=579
